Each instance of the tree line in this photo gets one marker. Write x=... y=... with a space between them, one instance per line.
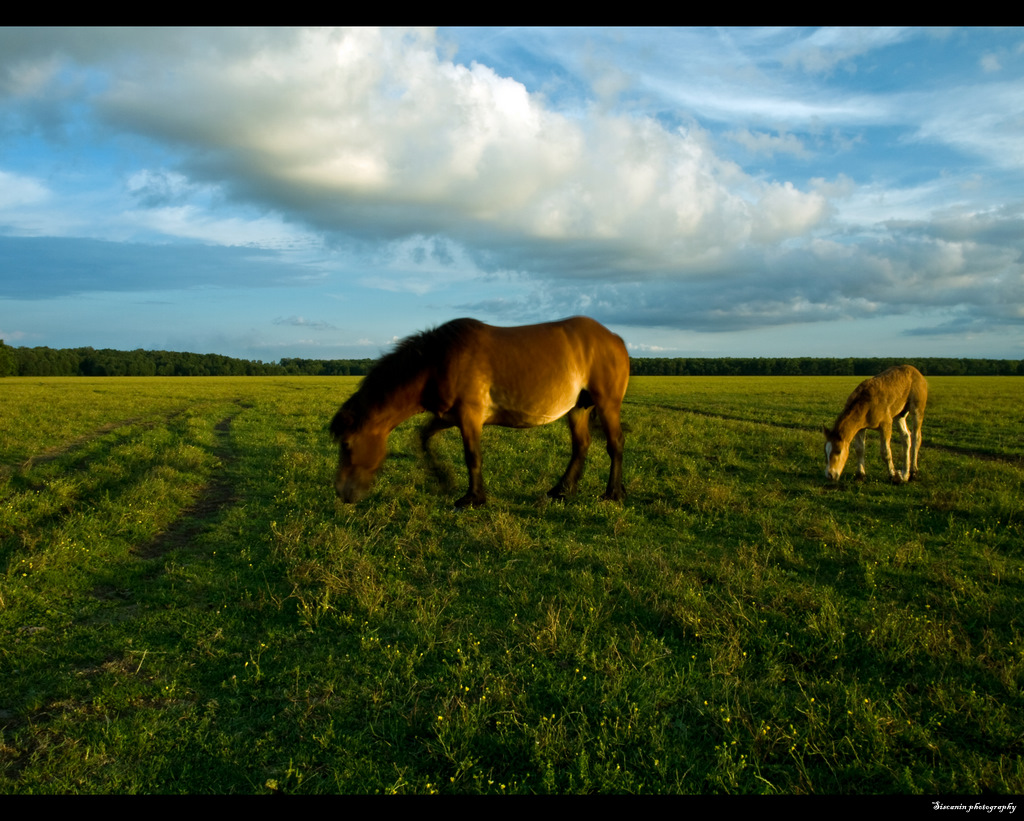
x=821 y=366
x=43 y=361
x=108 y=362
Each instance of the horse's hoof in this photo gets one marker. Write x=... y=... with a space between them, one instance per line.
x=896 y=480
x=614 y=496
x=470 y=501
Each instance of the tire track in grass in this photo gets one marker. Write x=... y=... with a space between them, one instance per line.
x=213 y=498
x=78 y=443
x=1007 y=458
x=56 y=452
x=64 y=706
x=190 y=521
x=713 y=415
x=74 y=459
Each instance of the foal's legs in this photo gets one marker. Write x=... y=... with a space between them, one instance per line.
x=905 y=436
x=885 y=431
x=915 y=442
x=579 y=429
x=858 y=446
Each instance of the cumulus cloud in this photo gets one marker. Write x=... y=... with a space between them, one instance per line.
x=965 y=265
x=374 y=133
x=375 y=137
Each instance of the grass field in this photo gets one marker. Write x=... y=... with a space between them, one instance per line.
x=186 y=608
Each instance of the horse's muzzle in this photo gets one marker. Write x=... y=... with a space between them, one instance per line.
x=350 y=493
x=352 y=488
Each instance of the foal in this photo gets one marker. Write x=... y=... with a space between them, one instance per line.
x=893 y=395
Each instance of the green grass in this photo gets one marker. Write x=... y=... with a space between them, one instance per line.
x=186 y=608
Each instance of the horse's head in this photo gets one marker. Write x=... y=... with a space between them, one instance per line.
x=836 y=453
x=361 y=452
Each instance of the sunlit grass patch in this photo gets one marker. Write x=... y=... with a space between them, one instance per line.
x=186 y=607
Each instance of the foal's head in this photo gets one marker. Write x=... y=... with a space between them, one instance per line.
x=836 y=453
x=361 y=451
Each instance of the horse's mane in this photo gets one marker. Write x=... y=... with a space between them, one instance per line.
x=409 y=358
x=856 y=397
x=853 y=399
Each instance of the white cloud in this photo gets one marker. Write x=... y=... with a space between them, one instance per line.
x=990 y=63
x=18 y=191
x=982 y=120
x=24 y=78
x=758 y=142
x=158 y=187
x=302 y=322
x=195 y=222
x=822 y=50
x=546 y=185
x=371 y=132
x=785 y=212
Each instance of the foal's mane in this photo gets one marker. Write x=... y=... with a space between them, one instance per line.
x=859 y=394
x=423 y=351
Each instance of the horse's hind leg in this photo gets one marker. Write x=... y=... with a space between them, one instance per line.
x=905 y=436
x=611 y=422
x=579 y=429
x=915 y=443
x=885 y=431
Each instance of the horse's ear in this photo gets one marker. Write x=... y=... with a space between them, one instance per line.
x=826 y=431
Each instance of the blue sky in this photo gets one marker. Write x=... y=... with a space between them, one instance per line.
x=268 y=193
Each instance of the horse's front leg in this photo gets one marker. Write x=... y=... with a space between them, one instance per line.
x=859 y=441
x=579 y=429
x=441 y=473
x=435 y=425
x=475 y=496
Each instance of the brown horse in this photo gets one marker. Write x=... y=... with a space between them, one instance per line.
x=893 y=395
x=468 y=375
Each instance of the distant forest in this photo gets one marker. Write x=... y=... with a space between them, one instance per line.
x=107 y=362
